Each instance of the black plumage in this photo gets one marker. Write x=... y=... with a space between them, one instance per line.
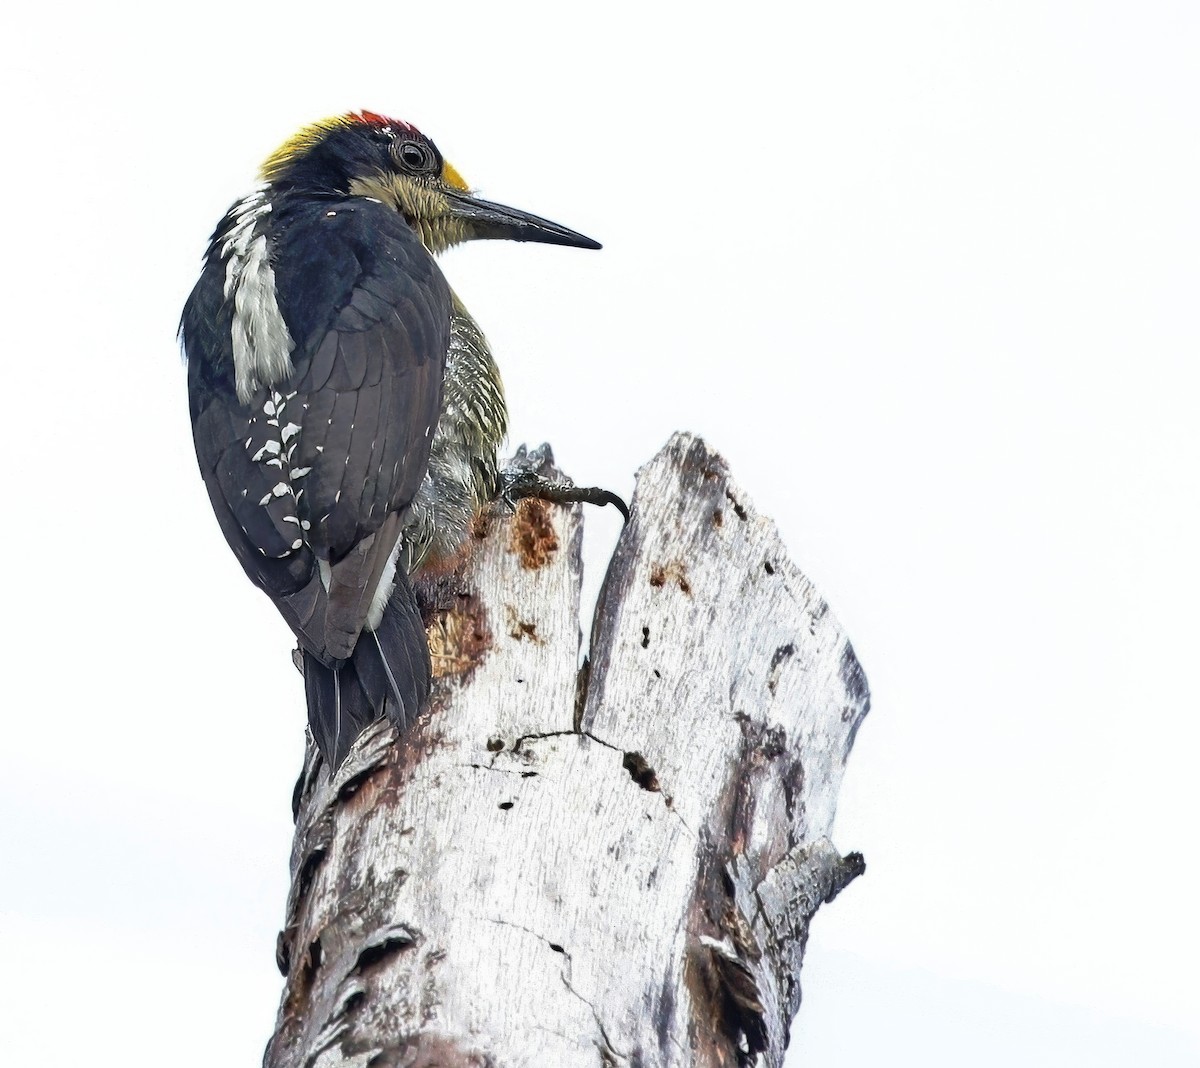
x=346 y=409
x=364 y=392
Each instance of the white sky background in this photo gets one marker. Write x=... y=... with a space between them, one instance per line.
x=926 y=273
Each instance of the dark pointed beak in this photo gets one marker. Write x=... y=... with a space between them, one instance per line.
x=483 y=219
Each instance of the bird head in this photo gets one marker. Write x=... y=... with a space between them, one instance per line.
x=369 y=155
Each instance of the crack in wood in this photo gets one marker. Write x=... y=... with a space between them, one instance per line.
x=499 y=771
x=537 y=736
x=608 y=1052
x=554 y=946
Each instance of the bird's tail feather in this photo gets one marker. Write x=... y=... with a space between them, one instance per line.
x=389 y=670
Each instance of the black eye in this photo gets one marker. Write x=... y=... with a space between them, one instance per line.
x=414 y=156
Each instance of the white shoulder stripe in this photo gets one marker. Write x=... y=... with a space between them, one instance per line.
x=262 y=345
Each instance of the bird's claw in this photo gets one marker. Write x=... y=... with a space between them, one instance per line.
x=526 y=484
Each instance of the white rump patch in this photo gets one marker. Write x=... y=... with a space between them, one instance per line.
x=383 y=592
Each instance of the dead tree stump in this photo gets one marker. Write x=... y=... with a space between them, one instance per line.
x=613 y=865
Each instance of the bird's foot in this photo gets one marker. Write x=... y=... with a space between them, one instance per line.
x=519 y=485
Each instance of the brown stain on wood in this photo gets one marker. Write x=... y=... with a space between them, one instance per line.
x=426 y=1050
x=526 y=631
x=459 y=636
x=675 y=571
x=521 y=629
x=375 y=787
x=531 y=534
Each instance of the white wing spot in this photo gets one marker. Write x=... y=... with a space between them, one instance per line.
x=271 y=448
x=279 y=489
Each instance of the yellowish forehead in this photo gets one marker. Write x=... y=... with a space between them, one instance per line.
x=300 y=142
x=308 y=136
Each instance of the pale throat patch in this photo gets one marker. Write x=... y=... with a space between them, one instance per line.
x=426 y=208
x=262 y=345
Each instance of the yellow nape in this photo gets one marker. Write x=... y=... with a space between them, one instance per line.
x=452 y=178
x=299 y=143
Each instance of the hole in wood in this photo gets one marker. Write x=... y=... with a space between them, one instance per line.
x=308 y=870
x=640 y=771
x=309 y=964
x=381 y=951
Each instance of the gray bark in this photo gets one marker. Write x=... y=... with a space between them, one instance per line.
x=608 y=866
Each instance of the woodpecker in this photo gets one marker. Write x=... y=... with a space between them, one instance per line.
x=346 y=409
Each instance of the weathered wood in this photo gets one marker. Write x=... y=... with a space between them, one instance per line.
x=612 y=866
